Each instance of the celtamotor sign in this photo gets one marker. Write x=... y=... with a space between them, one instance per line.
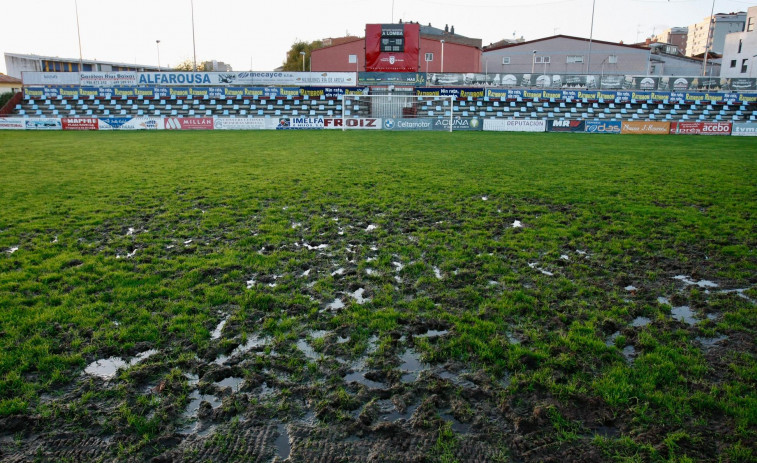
x=646 y=127
x=80 y=123
x=700 y=128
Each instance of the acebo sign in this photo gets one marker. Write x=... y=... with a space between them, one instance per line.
x=700 y=128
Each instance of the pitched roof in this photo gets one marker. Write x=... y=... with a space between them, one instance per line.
x=560 y=36
x=9 y=80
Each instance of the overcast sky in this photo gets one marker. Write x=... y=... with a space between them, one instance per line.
x=255 y=34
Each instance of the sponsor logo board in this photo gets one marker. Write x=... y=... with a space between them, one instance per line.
x=257 y=123
x=301 y=123
x=410 y=124
x=611 y=127
x=566 y=126
x=80 y=123
x=43 y=124
x=353 y=124
x=113 y=123
x=645 y=127
x=188 y=123
x=700 y=128
x=108 y=79
x=459 y=123
x=514 y=125
x=744 y=129
x=12 y=123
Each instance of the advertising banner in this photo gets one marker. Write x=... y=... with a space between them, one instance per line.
x=80 y=123
x=108 y=79
x=608 y=127
x=239 y=123
x=187 y=123
x=113 y=123
x=43 y=124
x=392 y=47
x=301 y=123
x=514 y=125
x=332 y=92
x=456 y=92
x=409 y=79
x=747 y=98
x=12 y=123
x=566 y=126
x=742 y=129
x=467 y=124
x=412 y=124
x=50 y=78
x=245 y=78
x=740 y=84
x=700 y=128
x=699 y=97
x=352 y=124
x=142 y=123
x=39 y=93
x=645 y=127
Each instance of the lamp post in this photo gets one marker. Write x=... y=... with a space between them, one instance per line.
x=533 y=62
x=303 y=60
x=194 y=47
x=442 y=68
x=707 y=43
x=157 y=44
x=78 y=33
x=591 y=37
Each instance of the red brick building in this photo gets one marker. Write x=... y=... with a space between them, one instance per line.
x=461 y=54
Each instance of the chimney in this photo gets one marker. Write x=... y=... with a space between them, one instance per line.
x=446 y=28
x=452 y=31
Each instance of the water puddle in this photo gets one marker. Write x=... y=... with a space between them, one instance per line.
x=370 y=272
x=437 y=273
x=398 y=266
x=484 y=198
x=517 y=224
x=629 y=352
x=456 y=379
x=318 y=248
x=187 y=242
x=512 y=339
x=217 y=331
x=457 y=426
x=339 y=271
x=250 y=283
x=533 y=265
x=306 y=349
x=411 y=366
x=119 y=256
x=691 y=282
x=252 y=342
x=296 y=225
x=684 y=314
x=640 y=321
x=565 y=257
x=433 y=334
x=266 y=390
x=336 y=304
x=631 y=288
x=741 y=292
x=708 y=343
x=359 y=377
x=107 y=368
x=283 y=446
x=610 y=341
x=371 y=227
x=233 y=382
x=390 y=413
x=358 y=296
x=190 y=413
x=130 y=231
x=663 y=300
x=305 y=273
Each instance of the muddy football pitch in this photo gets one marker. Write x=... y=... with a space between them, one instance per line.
x=354 y=297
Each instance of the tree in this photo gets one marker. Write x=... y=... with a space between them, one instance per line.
x=294 y=59
x=188 y=65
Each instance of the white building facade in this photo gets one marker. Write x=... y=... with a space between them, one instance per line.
x=740 y=50
x=718 y=27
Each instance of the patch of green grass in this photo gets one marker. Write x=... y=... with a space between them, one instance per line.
x=130 y=241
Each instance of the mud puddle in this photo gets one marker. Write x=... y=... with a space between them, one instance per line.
x=219 y=328
x=358 y=296
x=233 y=382
x=252 y=342
x=640 y=321
x=282 y=443
x=107 y=368
x=688 y=281
x=411 y=366
x=684 y=314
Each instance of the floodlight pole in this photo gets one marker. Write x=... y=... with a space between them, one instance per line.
x=707 y=43
x=157 y=44
x=78 y=33
x=591 y=37
x=194 y=47
x=303 y=60
x=442 y=68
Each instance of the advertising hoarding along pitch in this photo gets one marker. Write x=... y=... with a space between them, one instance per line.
x=12 y=123
x=700 y=128
x=188 y=123
x=645 y=127
x=566 y=126
x=744 y=129
x=80 y=123
x=603 y=127
x=352 y=124
x=514 y=125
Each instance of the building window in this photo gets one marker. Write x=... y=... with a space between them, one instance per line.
x=505 y=60
x=750 y=24
x=429 y=57
x=612 y=59
x=741 y=42
x=542 y=60
x=733 y=63
x=743 y=65
x=575 y=59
